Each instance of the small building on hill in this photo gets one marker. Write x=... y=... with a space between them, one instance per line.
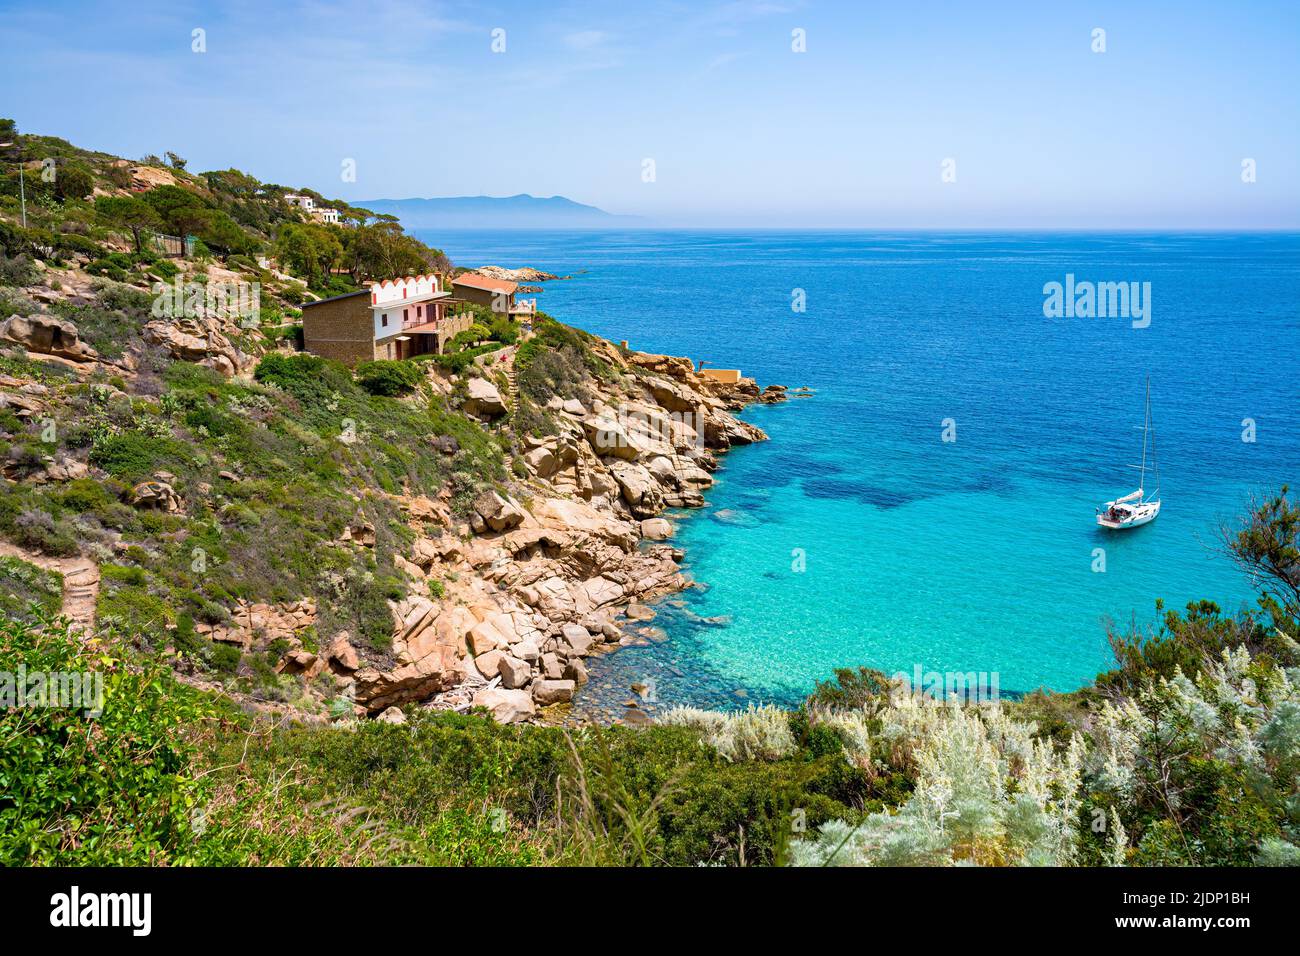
x=393 y=319
x=496 y=294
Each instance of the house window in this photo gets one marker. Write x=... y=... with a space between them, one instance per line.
x=419 y=311
x=406 y=315
x=389 y=347
x=383 y=320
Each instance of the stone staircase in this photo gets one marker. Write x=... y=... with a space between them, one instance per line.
x=80 y=583
x=80 y=590
x=512 y=381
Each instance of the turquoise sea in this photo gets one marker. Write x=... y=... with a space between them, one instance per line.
x=972 y=555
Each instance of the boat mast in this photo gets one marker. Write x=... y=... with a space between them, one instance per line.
x=1146 y=425
x=1155 y=463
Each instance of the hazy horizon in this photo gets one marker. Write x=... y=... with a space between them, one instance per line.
x=765 y=115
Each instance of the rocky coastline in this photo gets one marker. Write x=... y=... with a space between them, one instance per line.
x=540 y=580
x=509 y=597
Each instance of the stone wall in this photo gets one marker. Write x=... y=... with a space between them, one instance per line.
x=340 y=329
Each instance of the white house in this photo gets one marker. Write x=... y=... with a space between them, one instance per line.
x=302 y=202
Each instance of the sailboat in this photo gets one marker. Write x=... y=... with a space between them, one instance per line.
x=1136 y=508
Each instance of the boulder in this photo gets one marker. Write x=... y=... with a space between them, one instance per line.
x=576 y=671
x=496 y=512
x=672 y=396
x=542 y=460
x=156 y=494
x=342 y=653
x=300 y=662
x=639 y=488
x=609 y=439
x=553 y=691
x=483 y=399
x=182 y=345
x=514 y=672
x=577 y=639
x=489 y=663
x=393 y=715
x=47 y=335
x=505 y=706
x=552 y=666
x=656 y=529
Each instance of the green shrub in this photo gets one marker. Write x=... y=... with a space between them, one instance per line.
x=133 y=455
x=110 y=790
x=18 y=272
x=386 y=377
x=23 y=584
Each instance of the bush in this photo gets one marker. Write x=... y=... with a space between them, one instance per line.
x=286 y=370
x=23 y=584
x=18 y=271
x=110 y=790
x=387 y=377
x=133 y=455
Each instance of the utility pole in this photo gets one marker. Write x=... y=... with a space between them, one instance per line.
x=22 y=180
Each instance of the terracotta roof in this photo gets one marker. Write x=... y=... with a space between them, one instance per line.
x=476 y=281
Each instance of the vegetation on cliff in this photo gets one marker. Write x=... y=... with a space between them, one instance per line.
x=203 y=494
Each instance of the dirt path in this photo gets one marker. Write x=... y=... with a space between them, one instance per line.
x=80 y=582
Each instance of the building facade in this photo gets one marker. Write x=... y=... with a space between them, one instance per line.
x=393 y=319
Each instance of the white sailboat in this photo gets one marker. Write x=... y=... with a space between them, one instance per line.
x=1136 y=508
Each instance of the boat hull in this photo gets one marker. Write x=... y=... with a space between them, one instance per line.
x=1143 y=514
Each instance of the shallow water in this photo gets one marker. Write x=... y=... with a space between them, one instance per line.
x=858 y=536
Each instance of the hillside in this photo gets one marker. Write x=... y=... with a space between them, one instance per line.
x=340 y=615
x=499 y=212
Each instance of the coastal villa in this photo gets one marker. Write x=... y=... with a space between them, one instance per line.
x=308 y=205
x=496 y=294
x=393 y=319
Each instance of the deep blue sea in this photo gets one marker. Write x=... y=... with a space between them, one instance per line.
x=857 y=535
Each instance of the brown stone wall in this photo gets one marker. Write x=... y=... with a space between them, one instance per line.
x=342 y=329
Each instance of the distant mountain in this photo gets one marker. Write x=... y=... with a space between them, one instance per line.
x=497 y=212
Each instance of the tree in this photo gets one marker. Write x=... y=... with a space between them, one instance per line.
x=1267 y=547
x=175 y=161
x=130 y=213
x=308 y=250
x=182 y=212
x=74 y=181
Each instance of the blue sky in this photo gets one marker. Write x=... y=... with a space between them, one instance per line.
x=742 y=130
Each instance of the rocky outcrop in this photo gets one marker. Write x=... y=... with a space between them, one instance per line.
x=483 y=399
x=157 y=495
x=47 y=335
x=202 y=340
